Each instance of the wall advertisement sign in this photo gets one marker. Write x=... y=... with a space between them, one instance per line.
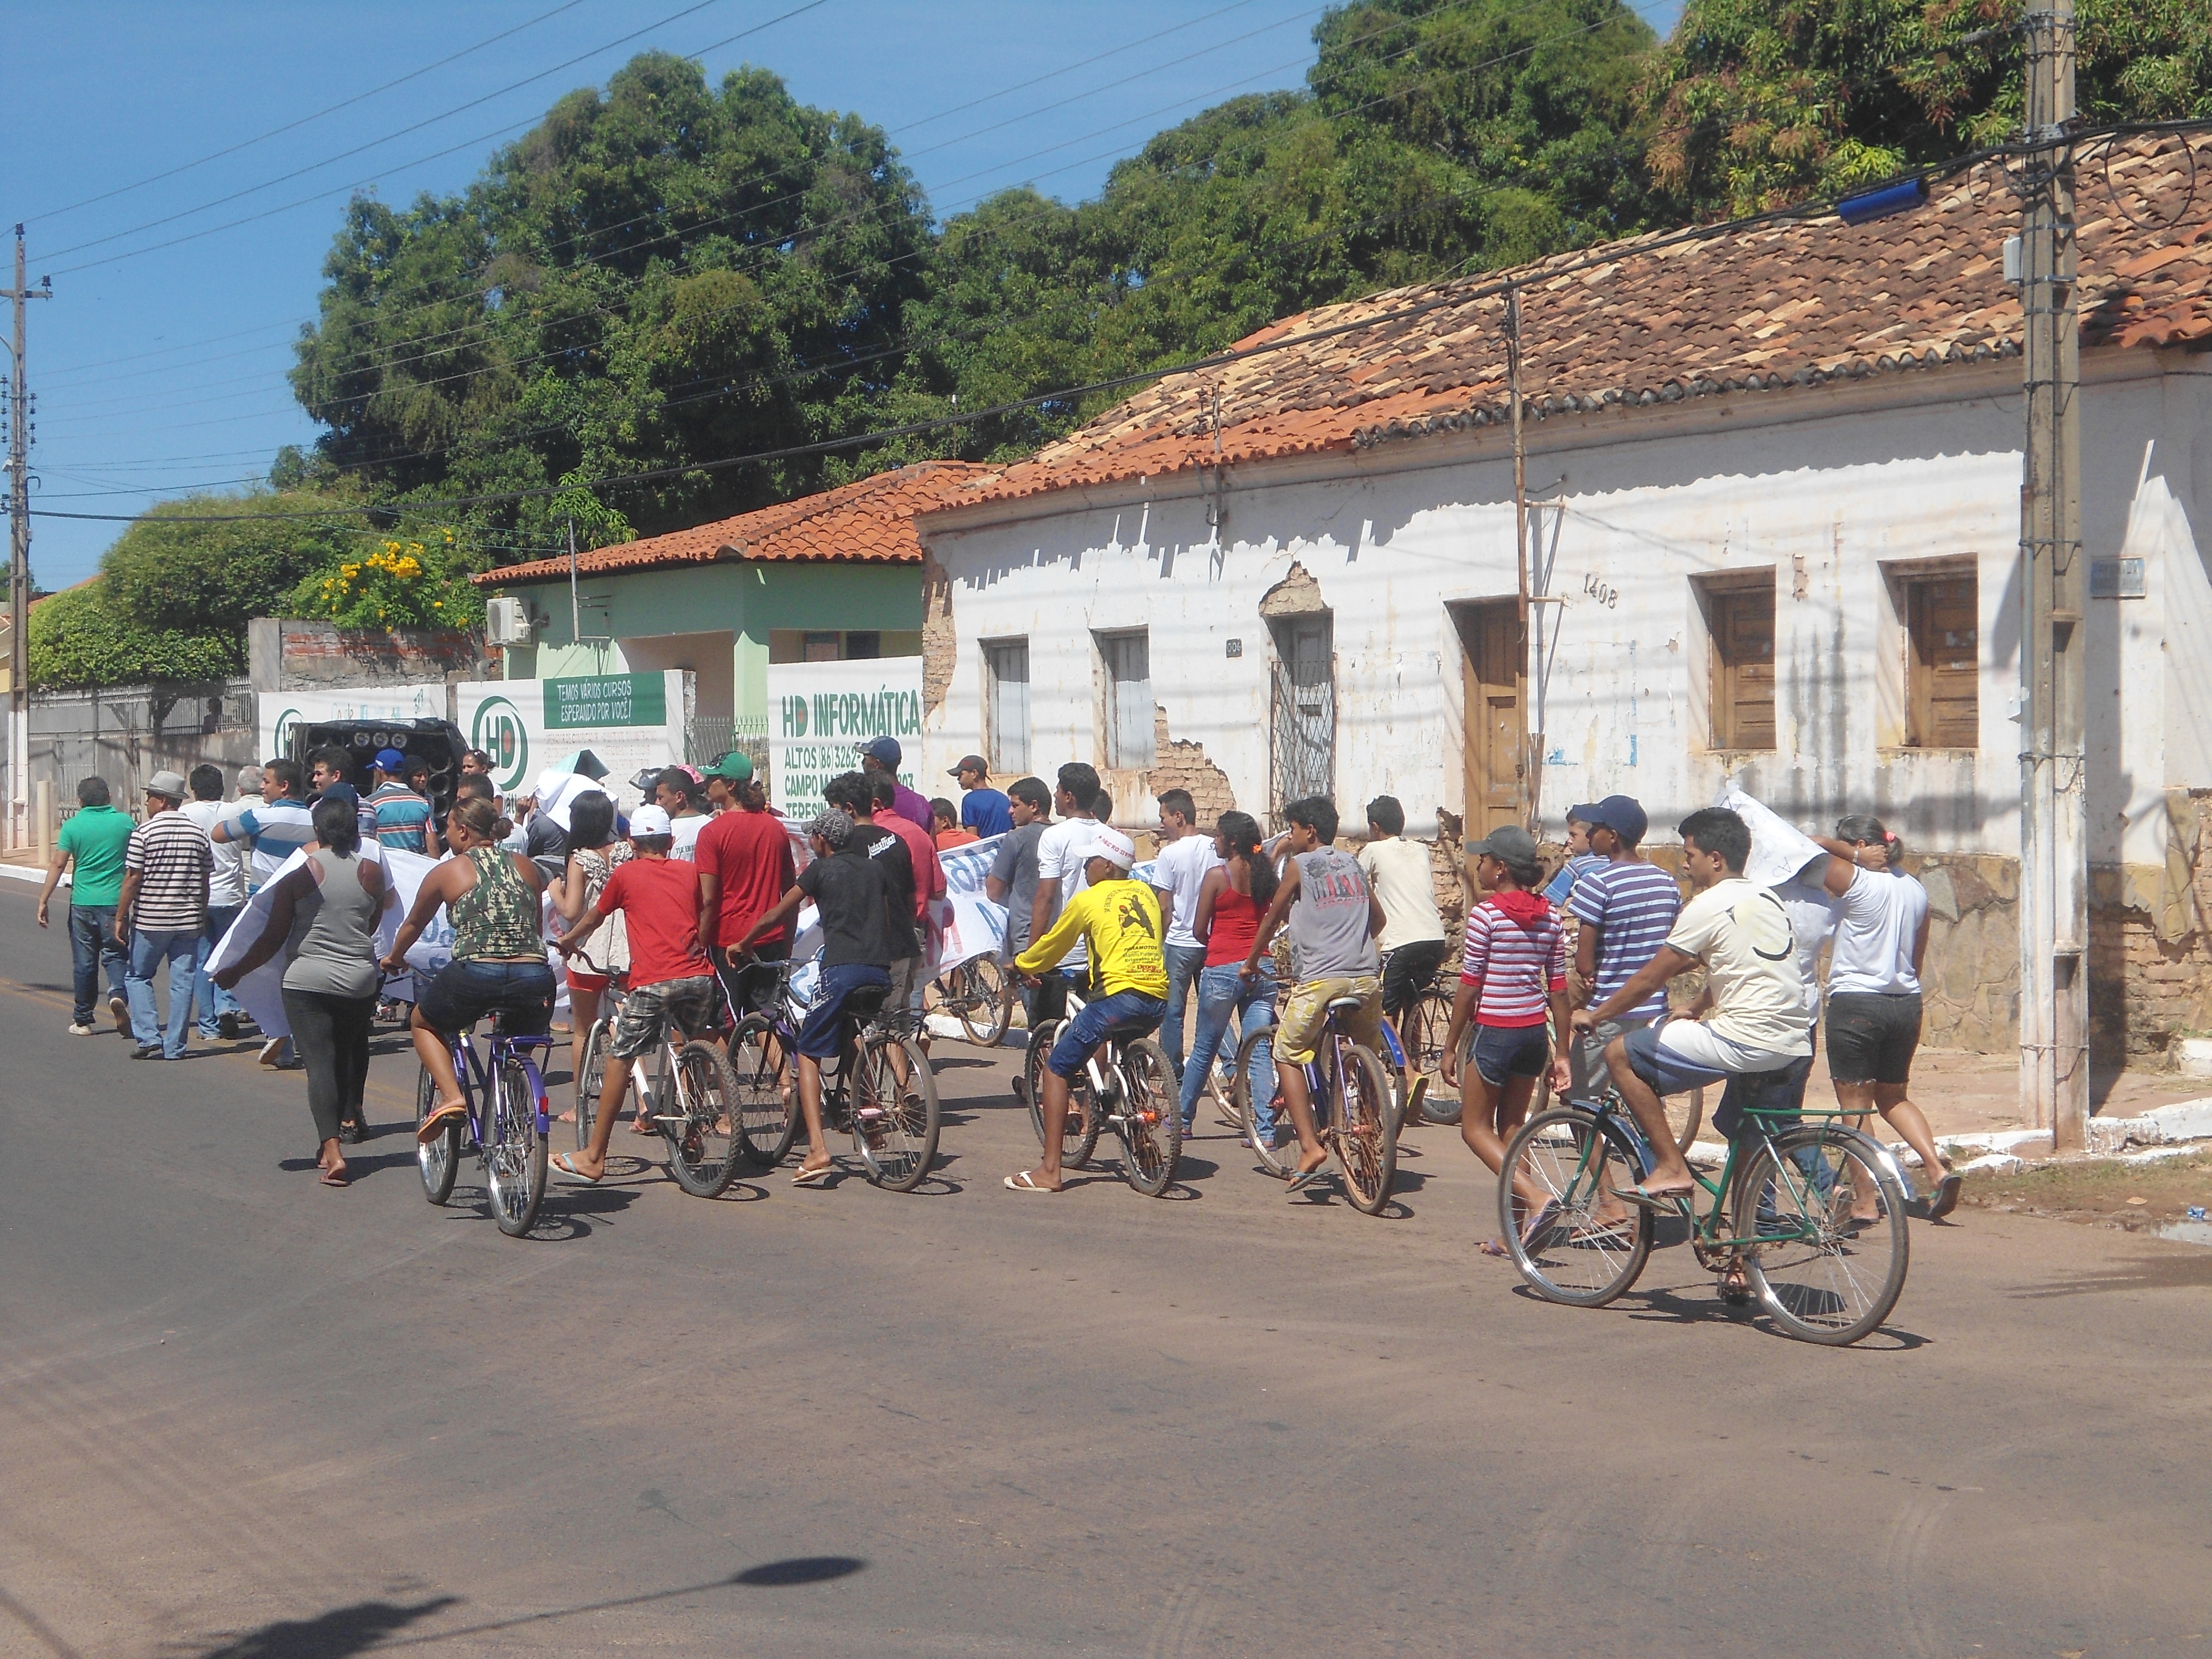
x=819 y=711
x=629 y=720
x=276 y=713
x=607 y=699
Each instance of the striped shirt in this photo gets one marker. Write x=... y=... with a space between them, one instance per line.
x=172 y=858
x=1514 y=966
x=1636 y=904
x=276 y=830
x=402 y=816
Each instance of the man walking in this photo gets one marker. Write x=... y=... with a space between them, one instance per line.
x=1013 y=881
x=1627 y=908
x=982 y=809
x=215 y=1009
x=1063 y=864
x=882 y=755
x=745 y=865
x=276 y=829
x=1186 y=858
x=94 y=838
x=161 y=915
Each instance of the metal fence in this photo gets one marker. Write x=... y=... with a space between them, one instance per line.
x=709 y=737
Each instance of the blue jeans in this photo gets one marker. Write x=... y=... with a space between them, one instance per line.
x=91 y=942
x=1185 y=963
x=1223 y=992
x=148 y=951
x=1079 y=1038
x=209 y=999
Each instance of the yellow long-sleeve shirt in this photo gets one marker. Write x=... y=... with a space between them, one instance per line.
x=1120 y=920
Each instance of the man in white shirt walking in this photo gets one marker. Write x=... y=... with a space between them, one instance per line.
x=215 y=1009
x=1063 y=852
x=1179 y=870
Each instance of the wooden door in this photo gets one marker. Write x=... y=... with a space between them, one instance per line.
x=1496 y=657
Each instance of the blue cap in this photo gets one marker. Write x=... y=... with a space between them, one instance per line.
x=885 y=750
x=1618 y=813
x=389 y=760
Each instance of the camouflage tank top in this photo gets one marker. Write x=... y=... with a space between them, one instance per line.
x=498 y=917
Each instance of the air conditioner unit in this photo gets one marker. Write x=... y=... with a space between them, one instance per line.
x=507 y=623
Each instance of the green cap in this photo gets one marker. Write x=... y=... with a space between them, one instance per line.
x=735 y=767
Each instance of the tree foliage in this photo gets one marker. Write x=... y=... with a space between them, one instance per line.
x=78 y=637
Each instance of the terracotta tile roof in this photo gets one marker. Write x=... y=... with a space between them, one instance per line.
x=868 y=522
x=1792 y=304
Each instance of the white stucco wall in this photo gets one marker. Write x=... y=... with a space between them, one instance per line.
x=1823 y=486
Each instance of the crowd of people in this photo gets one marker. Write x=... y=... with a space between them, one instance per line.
x=677 y=905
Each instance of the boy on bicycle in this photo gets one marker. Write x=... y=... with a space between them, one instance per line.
x=671 y=980
x=1118 y=919
x=1333 y=917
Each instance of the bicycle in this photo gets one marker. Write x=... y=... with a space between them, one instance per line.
x=1417 y=1037
x=691 y=1101
x=1133 y=1090
x=893 y=1120
x=1787 y=1187
x=980 y=994
x=507 y=1125
x=1352 y=1107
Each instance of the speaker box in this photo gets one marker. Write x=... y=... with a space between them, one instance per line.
x=439 y=742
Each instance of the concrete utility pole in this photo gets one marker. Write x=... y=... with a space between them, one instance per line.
x=19 y=566
x=2054 y=883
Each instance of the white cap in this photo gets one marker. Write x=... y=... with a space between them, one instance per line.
x=1114 y=847
x=650 y=820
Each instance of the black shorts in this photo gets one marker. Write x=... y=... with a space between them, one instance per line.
x=752 y=988
x=1872 y=1036
x=1409 y=971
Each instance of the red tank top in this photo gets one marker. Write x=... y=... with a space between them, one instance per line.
x=1235 y=919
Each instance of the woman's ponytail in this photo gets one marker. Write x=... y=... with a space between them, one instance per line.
x=1241 y=831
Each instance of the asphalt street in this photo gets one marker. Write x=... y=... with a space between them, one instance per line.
x=241 y=1414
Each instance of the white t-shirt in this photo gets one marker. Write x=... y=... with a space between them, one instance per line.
x=1741 y=932
x=686 y=844
x=1398 y=874
x=1182 y=869
x=1879 y=916
x=226 y=881
x=1062 y=851
x=1812 y=910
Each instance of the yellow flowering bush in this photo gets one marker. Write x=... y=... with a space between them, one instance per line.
x=396 y=584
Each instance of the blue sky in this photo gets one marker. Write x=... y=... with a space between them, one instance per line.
x=164 y=370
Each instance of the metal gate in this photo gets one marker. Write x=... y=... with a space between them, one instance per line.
x=1303 y=731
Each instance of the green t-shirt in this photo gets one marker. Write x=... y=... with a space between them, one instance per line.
x=96 y=836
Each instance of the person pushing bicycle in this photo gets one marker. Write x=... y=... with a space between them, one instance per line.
x=1118 y=920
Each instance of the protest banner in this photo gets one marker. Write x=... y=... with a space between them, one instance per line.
x=1778 y=850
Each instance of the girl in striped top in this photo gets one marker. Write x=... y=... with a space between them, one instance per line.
x=1513 y=978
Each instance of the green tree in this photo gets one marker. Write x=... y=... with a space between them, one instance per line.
x=1755 y=105
x=78 y=638
x=167 y=575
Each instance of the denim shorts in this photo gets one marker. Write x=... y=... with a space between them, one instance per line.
x=463 y=993
x=822 y=1034
x=1872 y=1036
x=1505 y=1051
x=1080 y=1038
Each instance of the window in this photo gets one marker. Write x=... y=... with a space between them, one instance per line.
x=1006 y=706
x=1740 y=619
x=1303 y=738
x=863 y=646
x=1128 y=658
x=824 y=648
x=1942 y=703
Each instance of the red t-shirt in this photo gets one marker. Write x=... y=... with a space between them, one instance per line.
x=928 y=873
x=749 y=854
x=659 y=899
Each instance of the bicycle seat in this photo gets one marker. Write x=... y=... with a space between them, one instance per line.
x=1130 y=1029
x=1342 y=1005
x=866 y=1001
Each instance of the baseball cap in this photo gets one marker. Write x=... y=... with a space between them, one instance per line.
x=885 y=750
x=389 y=760
x=969 y=763
x=166 y=783
x=735 y=767
x=833 y=826
x=1509 y=841
x=1114 y=847
x=650 y=820
x=1618 y=813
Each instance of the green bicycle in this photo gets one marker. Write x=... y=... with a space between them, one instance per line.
x=1779 y=1224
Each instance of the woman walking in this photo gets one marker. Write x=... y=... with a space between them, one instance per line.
x=1232 y=898
x=593 y=852
x=1512 y=988
x=493 y=899
x=1874 y=995
x=324 y=917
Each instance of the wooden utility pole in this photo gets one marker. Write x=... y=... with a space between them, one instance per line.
x=19 y=563
x=2054 y=888
x=1532 y=742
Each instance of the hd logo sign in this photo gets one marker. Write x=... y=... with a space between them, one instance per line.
x=499 y=731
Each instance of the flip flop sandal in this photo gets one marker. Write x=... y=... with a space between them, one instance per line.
x=1946 y=1196
x=1495 y=1246
x=1657 y=1203
x=436 y=1124
x=1022 y=1183
x=1305 y=1178
x=813 y=1177
x=1534 y=1227
x=335 y=1178
x=1736 y=1285
x=564 y=1165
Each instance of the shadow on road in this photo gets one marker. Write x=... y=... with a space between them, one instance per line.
x=2187 y=1269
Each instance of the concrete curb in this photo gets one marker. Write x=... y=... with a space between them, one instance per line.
x=30 y=873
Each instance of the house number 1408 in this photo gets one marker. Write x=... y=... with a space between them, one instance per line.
x=1603 y=592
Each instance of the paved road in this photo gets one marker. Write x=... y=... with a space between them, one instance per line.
x=241 y=1414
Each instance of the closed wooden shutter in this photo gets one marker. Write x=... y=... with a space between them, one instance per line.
x=1129 y=738
x=1941 y=624
x=1743 y=667
x=1009 y=667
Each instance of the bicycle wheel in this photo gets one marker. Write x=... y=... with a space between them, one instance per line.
x=1079 y=1134
x=439 y=1158
x=1364 y=1128
x=591 y=1080
x=768 y=1121
x=894 y=1122
x=1428 y=1018
x=987 y=1001
x=1821 y=1277
x=1274 y=1144
x=514 y=1155
x=1685 y=1113
x=697 y=1104
x=1151 y=1117
x=1574 y=1255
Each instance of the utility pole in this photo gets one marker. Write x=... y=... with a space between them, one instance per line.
x=1531 y=743
x=2054 y=887
x=19 y=564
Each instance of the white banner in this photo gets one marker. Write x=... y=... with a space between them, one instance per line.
x=1778 y=850
x=262 y=991
x=967 y=924
x=819 y=711
x=525 y=725
x=276 y=713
